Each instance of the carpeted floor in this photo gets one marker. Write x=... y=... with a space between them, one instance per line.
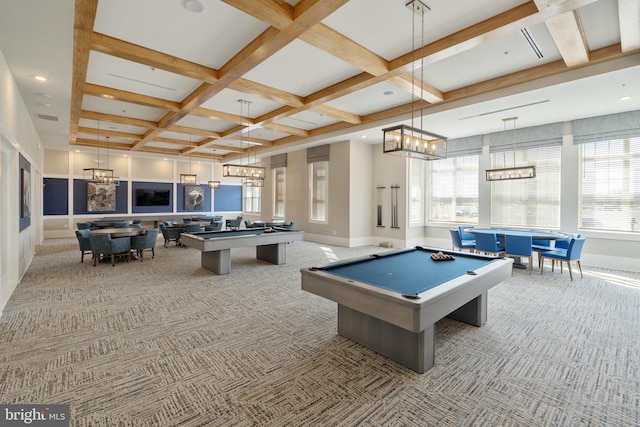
x=165 y=343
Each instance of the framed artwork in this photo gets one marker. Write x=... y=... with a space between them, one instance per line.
x=25 y=193
x=101 y=197
x=193 y=198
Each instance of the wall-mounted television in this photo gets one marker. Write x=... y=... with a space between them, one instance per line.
x=152 y=197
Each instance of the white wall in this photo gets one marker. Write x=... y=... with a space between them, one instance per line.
x=17 y=136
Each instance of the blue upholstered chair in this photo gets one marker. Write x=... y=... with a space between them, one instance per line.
x=519 y=246
x=103 y=245
x=215 y=226
x=83 y=241
x=193 y=228
x=572 y=253
x=233 y=224
x=487 y=243
x=248 y=224
x=457 y=242
x=146 y=241
x=170 y=234
x=465 y=236
x=293 y=225
x=541 y=246
x=83 y=226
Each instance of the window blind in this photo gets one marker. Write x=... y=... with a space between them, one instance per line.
x=467 y=146
x=530 y=137
x=603 y=128
x=318 y=154
x=453 y=190
x=610 y=185
x=279 y=161
x=528 y=202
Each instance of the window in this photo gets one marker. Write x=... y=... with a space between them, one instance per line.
x=251 y=198
x=279 y=191
x=610 y=185
x=416 y=191
x=453 y=195
x=528 y=202
x=318 y=190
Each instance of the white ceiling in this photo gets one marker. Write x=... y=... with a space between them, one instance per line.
x=475 y=56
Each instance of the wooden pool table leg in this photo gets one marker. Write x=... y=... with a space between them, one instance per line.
x=415 y=350
x=217 y=261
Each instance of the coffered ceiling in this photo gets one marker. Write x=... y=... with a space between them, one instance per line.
x=165 y=76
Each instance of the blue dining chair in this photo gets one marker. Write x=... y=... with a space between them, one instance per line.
x=541 y=245
x=487 y=243
x=572 y=253
x=465 y=236
x=518 y=246
x=458 y=243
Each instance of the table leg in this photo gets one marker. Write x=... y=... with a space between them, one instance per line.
x=217 y=261
x=275 y=253
x=474 y=312
x=415 y=350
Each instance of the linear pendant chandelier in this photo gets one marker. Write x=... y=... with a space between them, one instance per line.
x=189 y=178
x=244 y=171
x=99 y=175
x=515 y=172
x=411 y=141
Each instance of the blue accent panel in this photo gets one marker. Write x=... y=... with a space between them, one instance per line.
x=80 y=198
x=151 y=186
x=228 y=198
x=55 y=196
x=24 y=164
x=180 y=199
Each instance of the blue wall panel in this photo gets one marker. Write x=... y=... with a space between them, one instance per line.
x=228 y=198
x=55 y=196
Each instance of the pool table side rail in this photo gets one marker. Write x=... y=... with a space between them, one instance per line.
x=411 y=314
x=241 y=241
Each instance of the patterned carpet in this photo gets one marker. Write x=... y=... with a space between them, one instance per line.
x=165 y=343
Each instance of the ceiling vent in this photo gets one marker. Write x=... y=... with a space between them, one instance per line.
x=47 y=117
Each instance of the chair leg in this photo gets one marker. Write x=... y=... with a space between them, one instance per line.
x=580 y=268
x=153 y=253
x=569 y=267
x=141 y=254
x=82 y=256
x=113 y=260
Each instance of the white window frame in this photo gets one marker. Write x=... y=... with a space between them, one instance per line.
x=457 y=180
x=417 y=197
x=610 y=186
x=251 y=199
x=317 y=185
x=528 y=202
x=279 y=176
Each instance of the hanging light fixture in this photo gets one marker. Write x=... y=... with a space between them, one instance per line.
x=244 y=171
x=189 y=178
x=411 y=141
x=110 y=179
x=214 y=185
x=515 y=172
x=98 y=175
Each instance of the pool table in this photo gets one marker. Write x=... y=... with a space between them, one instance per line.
x=216 y=246
x=390 y=302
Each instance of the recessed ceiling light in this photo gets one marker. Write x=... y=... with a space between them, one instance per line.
x=194 y=6
x=45 y=104
x=41 y=78
x=363 y=136
x=625 y=98
x=388 y=93
x=45 y=95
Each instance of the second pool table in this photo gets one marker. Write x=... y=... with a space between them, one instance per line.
x=391 y=302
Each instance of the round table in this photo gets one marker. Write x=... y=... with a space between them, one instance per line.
x=120 y=232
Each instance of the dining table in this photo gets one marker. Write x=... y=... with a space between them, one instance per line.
x=536 y=235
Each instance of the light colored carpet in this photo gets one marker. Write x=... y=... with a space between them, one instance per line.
x=164 y=343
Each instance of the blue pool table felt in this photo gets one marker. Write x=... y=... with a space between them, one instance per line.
x=408 y=272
